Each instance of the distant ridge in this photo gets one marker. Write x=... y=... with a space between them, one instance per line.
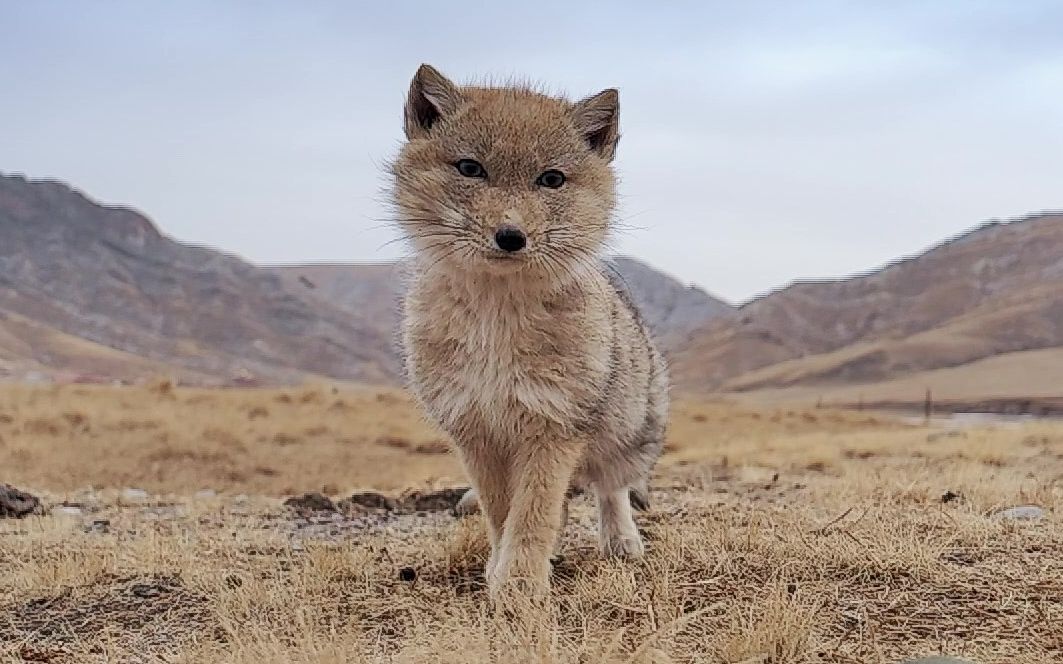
x=997 y=288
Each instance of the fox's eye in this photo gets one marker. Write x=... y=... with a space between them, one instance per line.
x=551 y=178
x=471 y=168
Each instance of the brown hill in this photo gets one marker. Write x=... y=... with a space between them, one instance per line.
x=110 y=285
x=996 y=289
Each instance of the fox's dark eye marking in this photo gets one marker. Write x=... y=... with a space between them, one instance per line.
x=551 y=178
x=470 y=168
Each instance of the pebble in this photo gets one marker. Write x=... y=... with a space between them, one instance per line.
x=203 y=494
x=99 y=526
x=66 y=510
x=1023 y=512
x=135 y=495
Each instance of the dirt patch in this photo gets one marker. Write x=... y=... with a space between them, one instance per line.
x=372 y=502
x=443 y=500
x=145 y=612
x=310 y=502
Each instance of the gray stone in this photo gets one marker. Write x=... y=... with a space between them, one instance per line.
x=937 y=660
x=1021 y=512
x=66 y=510
x=134 y=495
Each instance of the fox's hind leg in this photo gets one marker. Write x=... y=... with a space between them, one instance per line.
x=469 y=504
x=618 y=536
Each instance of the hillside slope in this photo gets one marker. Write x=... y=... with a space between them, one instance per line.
x=108 y=276
x=997 y=289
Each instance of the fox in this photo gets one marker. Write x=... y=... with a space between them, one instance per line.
x=518 y=339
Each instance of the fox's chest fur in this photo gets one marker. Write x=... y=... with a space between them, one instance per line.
x=496 y=354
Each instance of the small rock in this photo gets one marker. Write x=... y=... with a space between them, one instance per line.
x=937 y=660
x=16 y=504
x=66 y=510
x=134 y=495
x=99 y=527
x=311 y=502
x=204 y=494
x=408 y=574
x=950 y=496
x=1023 y=512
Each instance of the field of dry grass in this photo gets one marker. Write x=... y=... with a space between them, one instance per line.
x=776 y=535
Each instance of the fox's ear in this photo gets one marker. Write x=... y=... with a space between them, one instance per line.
x=597 y=117
x=431 y=97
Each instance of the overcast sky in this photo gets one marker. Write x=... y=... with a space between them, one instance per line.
x=762 y=142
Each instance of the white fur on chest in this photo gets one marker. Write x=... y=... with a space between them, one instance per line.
x=488 y=374
x=492 y=382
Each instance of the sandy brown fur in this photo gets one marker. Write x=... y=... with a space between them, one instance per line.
x=535 y=362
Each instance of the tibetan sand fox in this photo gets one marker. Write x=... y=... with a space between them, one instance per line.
x=518 y=341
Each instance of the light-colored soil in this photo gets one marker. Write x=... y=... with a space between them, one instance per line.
x=775 y=535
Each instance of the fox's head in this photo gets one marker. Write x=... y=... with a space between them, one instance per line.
x=505 y=180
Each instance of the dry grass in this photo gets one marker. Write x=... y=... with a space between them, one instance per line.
x=166 y=440
x=776 y=536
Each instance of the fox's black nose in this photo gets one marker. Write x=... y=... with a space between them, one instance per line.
x=510 y=238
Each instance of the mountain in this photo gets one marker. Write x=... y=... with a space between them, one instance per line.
x=90 y=288
x=672 y=309
x=996 y=289
x=374 y=291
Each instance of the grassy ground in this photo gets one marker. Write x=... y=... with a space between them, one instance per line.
x=775 y=536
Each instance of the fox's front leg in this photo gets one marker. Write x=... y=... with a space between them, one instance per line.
x=540 y=480
x=470 y=504
x=490 y=472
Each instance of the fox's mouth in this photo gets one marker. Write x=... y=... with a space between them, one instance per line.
x=495 y=255
x=502 y=262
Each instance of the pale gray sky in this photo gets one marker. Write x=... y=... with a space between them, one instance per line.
x=763 y=141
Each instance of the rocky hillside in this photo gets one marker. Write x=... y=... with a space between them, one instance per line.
x=90 y=288
x=996 y=289
x=672 y=309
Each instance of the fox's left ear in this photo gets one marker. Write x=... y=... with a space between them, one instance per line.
x=431 y=97
x=597 y=117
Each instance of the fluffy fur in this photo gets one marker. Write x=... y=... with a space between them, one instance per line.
x=535 y=362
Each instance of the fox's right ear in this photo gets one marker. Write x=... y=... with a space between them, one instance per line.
x=431 y=97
